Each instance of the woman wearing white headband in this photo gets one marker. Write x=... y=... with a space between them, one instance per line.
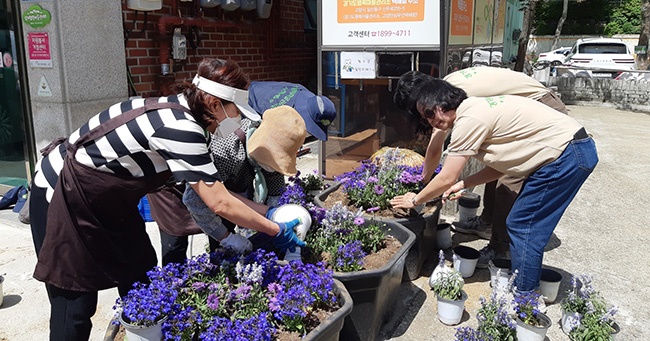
x=85 y=222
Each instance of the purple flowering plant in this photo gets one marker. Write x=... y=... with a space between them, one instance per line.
x=375 y=182
x=588 y=314
x=225 y=296
x=347 y=236
x=495 y=316
x=527 y=307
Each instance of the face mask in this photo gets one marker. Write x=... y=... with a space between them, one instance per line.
x=228 y=126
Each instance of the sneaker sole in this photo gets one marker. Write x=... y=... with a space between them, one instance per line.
x=481 y=234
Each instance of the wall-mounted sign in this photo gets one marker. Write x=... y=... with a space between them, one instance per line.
x=7 y=60
x=36 y=17
x=461 y=23
x=380 y=23
x=44 y=88
x=358 y=65
x=38 y=45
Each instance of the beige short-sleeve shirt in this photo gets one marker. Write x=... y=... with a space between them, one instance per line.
x=512 y=134
x=493 y=81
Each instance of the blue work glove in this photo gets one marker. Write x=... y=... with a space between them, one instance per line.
x=270 y=211
x=286 y=238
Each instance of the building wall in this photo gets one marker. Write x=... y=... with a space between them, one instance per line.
x=277 y=48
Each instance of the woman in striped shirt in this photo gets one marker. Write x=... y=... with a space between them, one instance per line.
x=85 y=222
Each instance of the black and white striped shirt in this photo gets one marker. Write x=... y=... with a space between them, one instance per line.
x=159 y=140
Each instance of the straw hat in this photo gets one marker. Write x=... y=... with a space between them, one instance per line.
x=277 y=140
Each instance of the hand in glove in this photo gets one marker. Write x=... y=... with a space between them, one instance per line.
x=286 y=238
x=237 y=243
x=270 y=211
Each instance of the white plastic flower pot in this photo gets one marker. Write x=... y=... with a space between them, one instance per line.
x=141 y=333
x=450 y=312
x=527 y=332
x=549 y=285
x=504 y=265
x=466 y=260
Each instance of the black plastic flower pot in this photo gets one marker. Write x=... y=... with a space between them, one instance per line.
x=424 y=227
x=374 y=291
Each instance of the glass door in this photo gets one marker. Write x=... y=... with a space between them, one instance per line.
x=14 y=165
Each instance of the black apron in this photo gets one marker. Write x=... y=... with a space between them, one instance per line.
x=95 y=237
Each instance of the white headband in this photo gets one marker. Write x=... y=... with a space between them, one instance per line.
x=237 y=96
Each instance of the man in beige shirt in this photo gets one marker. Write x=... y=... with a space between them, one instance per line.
x=499 y=195
x=516 y=136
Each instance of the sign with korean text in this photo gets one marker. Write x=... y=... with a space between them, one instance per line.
x=461 y=23
x=37 y=17
x=358 y=65
x=382 y=23
x=38 y=46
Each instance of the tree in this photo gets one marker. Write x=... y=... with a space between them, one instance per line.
x=527 y=27
x=625 y=18
x=558 y=30
x=642 y=59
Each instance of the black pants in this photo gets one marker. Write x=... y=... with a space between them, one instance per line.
x=70 y=311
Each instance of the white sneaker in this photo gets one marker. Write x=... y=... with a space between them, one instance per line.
x=474 y=226
x=487 y=254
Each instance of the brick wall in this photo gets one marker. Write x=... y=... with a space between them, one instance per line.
x=621 y=94
x=276 y=48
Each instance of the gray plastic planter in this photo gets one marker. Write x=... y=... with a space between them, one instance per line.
x=374 y=292
x=424 y=227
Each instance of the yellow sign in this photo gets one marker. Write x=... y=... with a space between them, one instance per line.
x=360 y=11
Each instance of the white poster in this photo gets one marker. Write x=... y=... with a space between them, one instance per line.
x=380 y=23
x=358 y=65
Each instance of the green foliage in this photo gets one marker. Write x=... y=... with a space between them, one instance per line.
x=312 y=182
x=589 y=318
x=625 y=19
x=448 y=284
x=598 y=17
x=593 y=327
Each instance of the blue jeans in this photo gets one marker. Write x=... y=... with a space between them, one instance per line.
x=543 y=199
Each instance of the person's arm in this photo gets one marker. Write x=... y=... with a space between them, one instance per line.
x=433 y=154
x=446 y=178
x=224 y=204
x=483 y=176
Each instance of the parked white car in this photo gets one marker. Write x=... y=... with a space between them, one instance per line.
x=610 y=54
x=554 y=57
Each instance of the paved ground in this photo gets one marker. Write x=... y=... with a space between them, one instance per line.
x=603 y=233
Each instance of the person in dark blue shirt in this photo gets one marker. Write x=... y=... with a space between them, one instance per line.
x=317 y=111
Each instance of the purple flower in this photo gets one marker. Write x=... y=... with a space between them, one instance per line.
x=359 y=221
x=213 y=301
x=379 y=189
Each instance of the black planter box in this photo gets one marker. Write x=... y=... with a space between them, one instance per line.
x=424 y=227
x=330 y=329
x=374 y=292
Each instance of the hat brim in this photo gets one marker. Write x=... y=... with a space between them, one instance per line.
x=248 y=111
x=313 y=128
